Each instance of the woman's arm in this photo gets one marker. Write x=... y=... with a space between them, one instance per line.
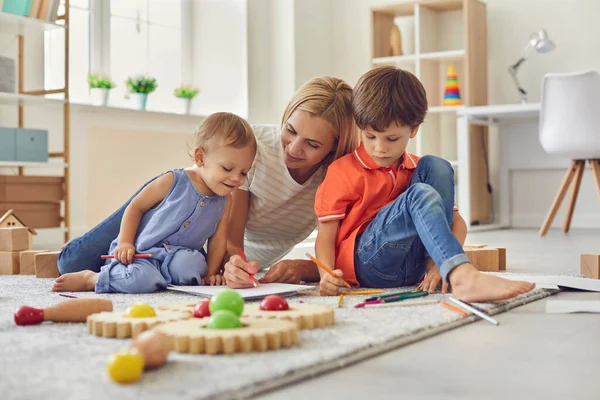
x=217 y=244
x=147 y=198
x=238 y=216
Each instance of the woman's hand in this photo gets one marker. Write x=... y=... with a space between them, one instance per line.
x=124 y=253
x=237 y=272
x=290 y=271
x=329 y=285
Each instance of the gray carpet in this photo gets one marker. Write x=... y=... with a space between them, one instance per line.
x=62 y=361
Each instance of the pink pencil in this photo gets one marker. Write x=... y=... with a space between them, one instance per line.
x=134 y=256
x=252 y=278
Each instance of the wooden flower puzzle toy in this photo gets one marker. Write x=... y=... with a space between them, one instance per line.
x=76 y=310
x=137 y=319
x=305 y=316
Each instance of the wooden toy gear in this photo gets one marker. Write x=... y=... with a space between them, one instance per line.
x=191 y=336
x=306 y=316
x=118 y=325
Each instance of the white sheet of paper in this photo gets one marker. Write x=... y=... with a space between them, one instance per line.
x=553 y=281
x=263 y=290
x=572 y=306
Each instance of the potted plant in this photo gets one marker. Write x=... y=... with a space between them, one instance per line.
x=186 y=93
x=100 y=88
x=141 y=86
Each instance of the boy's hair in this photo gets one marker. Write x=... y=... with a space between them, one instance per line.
x=331 y=99
x=387 y=94
x=233 y=130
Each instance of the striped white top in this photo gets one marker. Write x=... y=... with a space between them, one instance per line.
x=281 y=212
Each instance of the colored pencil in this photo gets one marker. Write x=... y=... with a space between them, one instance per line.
x=403 y=303
x=475 y=311
x=252 y=278
x=455 y=309
x=134 y=256
x=382 y=296
x=340 y=300
x=393 y=299
x=68 y=295
x=362 y=292
x=326 y=268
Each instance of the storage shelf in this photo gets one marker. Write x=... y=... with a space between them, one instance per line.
x=15 y=99
x=29 y=164
x=443 y=109
x=450 y=55
x=16 y=25
x=408 y=8
x=407 y=59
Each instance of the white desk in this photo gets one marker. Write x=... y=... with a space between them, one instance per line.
x=492 y=115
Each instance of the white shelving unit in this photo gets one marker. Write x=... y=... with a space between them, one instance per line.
x=436 y=34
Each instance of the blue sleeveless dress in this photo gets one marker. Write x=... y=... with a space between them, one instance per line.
x=174 y=232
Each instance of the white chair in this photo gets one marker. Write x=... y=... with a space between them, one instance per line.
x=570 y=127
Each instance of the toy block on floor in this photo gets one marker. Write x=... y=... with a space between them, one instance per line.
x=14 y=239
x=27 y=263
x=46 y=264
x=487 y=258
x=589 y=265
x=9 y=262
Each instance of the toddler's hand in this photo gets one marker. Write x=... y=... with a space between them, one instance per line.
x=214 y=280
x=124 y=253
x=330 y=286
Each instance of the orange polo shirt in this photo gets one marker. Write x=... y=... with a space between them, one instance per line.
x=354 y=190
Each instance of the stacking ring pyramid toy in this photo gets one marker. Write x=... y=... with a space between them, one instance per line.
x=452 y=92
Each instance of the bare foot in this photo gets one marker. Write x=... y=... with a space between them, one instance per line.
x=83 y=281
x=469 y=284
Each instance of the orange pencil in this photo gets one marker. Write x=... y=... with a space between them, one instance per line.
x=252 y=278
x=326 y=268
x=456 y=309
x=145 y=255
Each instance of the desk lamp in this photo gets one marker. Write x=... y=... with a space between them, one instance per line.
x=541 y=43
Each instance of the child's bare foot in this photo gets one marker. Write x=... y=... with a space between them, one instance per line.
x=469 y=284
x=83 y=281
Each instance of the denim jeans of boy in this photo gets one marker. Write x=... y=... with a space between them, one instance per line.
x=83 y=252
x=392 y=251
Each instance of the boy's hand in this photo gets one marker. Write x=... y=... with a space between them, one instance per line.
x=432 y=279
x=329 y=285
x=124 y=253
x=214 y=280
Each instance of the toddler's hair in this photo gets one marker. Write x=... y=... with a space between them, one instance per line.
x=233 y=130
x=388 y=94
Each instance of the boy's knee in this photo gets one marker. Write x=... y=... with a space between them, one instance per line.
x=423 y=194
x=436 y=165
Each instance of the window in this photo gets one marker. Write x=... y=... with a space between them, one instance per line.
x=121 y=39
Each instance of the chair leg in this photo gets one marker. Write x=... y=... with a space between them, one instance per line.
x=559 y=198
x=596 y=171
x=579 y=168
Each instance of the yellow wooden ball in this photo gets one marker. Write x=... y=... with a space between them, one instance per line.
x=125 y=367
x=140 y=310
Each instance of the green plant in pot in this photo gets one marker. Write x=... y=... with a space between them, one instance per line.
x=141 y=86
x=186 y=93
x=100 y=87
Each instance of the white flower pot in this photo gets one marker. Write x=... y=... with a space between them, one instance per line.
x=100 y=96
x=140 y=100
x=187 y=105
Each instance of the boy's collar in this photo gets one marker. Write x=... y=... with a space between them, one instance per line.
x=367 y=162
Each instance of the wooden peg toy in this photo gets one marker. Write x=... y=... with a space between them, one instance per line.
x=589 y=265
x=75 y=310
x=486 y=258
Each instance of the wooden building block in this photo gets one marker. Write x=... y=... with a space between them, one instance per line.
x=502 y=262
x=14 y=239
x=9 y=262
x=28 y=261
x=46 y=264
x=484 y=259
x=589 y=265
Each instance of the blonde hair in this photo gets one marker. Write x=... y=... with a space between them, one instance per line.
x=231 y=129
x=331 y=99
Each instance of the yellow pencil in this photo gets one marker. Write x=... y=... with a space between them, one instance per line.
x=326 y=268
x=359 y=292
x=340 y=301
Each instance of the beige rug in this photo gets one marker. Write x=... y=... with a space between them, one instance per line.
x=63 y=362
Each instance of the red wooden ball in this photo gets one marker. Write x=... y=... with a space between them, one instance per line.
x=201 y=309
x=274 y=303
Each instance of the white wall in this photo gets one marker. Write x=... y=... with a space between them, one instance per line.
x=573 y=25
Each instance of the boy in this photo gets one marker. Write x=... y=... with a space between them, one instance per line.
x=387 y=217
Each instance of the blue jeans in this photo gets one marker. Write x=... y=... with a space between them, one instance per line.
x=83 y=253
x=393 y=249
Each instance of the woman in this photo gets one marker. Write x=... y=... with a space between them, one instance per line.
x=274 y=209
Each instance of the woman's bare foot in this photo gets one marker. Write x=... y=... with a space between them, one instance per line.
x=469 y=284
x=83 y=281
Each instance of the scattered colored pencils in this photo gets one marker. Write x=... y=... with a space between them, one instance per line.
x=145 y=255
x=455 y=309
x=252 y=278
x=394 y=298
x=403 y=303
x=479 y=313
x=340 y=300
x=326 y=268
x=362 y=292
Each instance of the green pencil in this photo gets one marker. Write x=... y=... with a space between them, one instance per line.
x=383 y=296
